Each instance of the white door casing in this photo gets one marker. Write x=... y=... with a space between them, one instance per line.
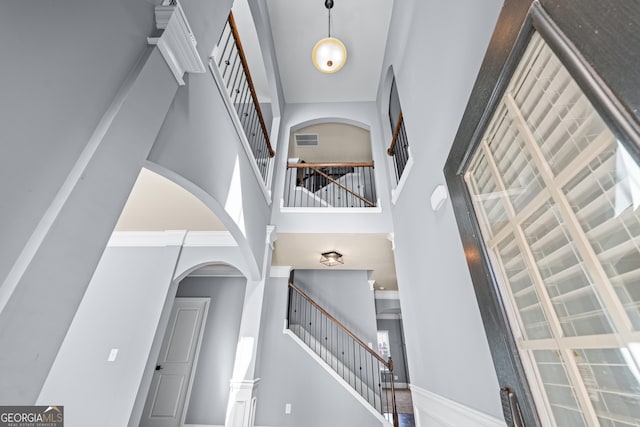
x=171 y=384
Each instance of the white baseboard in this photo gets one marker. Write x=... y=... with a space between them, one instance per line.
x=434 y=410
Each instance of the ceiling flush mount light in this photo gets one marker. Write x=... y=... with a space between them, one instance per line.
x=331 y=258
x=329 y=54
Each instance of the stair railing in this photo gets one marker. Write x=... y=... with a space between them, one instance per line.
x=346 y=184
x=231 y=61
x=364 y=369
x=399 y=147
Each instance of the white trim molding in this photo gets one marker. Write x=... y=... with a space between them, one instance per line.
x=280 y=271
x=147 y=238
x=218 y=270
x=209 y=239
x=172 y=238
x=432 y=409
x=233 y=114
x=272 y=236
x=241 y=409
x=392 y=239
x=395 y=193
x=328 y=210
x=176 y=43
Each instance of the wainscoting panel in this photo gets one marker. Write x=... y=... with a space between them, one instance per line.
x=433 y=410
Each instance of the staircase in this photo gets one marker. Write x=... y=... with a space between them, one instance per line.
x=366 y=372
x=337 y=185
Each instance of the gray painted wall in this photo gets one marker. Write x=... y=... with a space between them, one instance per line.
x=57 y=90
x=289 y=375
x=210 y=390
x=199 y=142
x=51 y=99
x=346 y=295
x=388 y=306
x=394 y=326
x=73 y=226
x=121 y=309
x=443 y=329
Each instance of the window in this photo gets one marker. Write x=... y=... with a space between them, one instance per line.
x=556 y=196
x=545 y=185
x=399 y=147
x=383 y=345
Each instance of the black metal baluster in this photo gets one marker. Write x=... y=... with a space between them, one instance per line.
x=224 y=51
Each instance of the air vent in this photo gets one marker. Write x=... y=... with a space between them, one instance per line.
x=307 y=140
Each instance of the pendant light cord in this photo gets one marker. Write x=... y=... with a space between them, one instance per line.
x=329 y=5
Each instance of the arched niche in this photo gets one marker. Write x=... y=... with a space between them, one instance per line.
x=335 y=142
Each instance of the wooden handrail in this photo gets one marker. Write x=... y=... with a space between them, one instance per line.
x=331 y=165
x=387 y=364
x=245 y=66
x=318 y=171
x=392 y=148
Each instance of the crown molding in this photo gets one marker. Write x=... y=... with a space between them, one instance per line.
x=172 y=238
x=147 y=238
x=209 y=239
x=176 y=43
x=280 y=271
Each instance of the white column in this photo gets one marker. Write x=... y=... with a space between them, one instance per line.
x=242 y=398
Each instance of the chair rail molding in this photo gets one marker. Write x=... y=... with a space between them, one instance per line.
x=176 y=41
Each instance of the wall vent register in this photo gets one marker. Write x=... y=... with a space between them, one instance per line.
x=307 y=139
x=556 y=197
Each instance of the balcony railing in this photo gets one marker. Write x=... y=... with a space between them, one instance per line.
x=325 y=185
x=232 y=64
x=362 y=368
x=399 y=148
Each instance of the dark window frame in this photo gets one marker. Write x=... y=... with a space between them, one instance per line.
x=393 y=90
x=595 y=41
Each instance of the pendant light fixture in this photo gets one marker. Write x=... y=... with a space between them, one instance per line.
x=329 y=54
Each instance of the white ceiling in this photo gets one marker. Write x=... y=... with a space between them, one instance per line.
x=362 y=25
x=360 y=251
x=157 y=204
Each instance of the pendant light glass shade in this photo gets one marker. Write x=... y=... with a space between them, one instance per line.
x=331 y=258
x=329 y=55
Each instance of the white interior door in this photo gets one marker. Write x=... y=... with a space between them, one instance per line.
x=169 y=391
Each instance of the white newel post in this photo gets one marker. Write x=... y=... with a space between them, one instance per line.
x=242 y=403
x=242 y=397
